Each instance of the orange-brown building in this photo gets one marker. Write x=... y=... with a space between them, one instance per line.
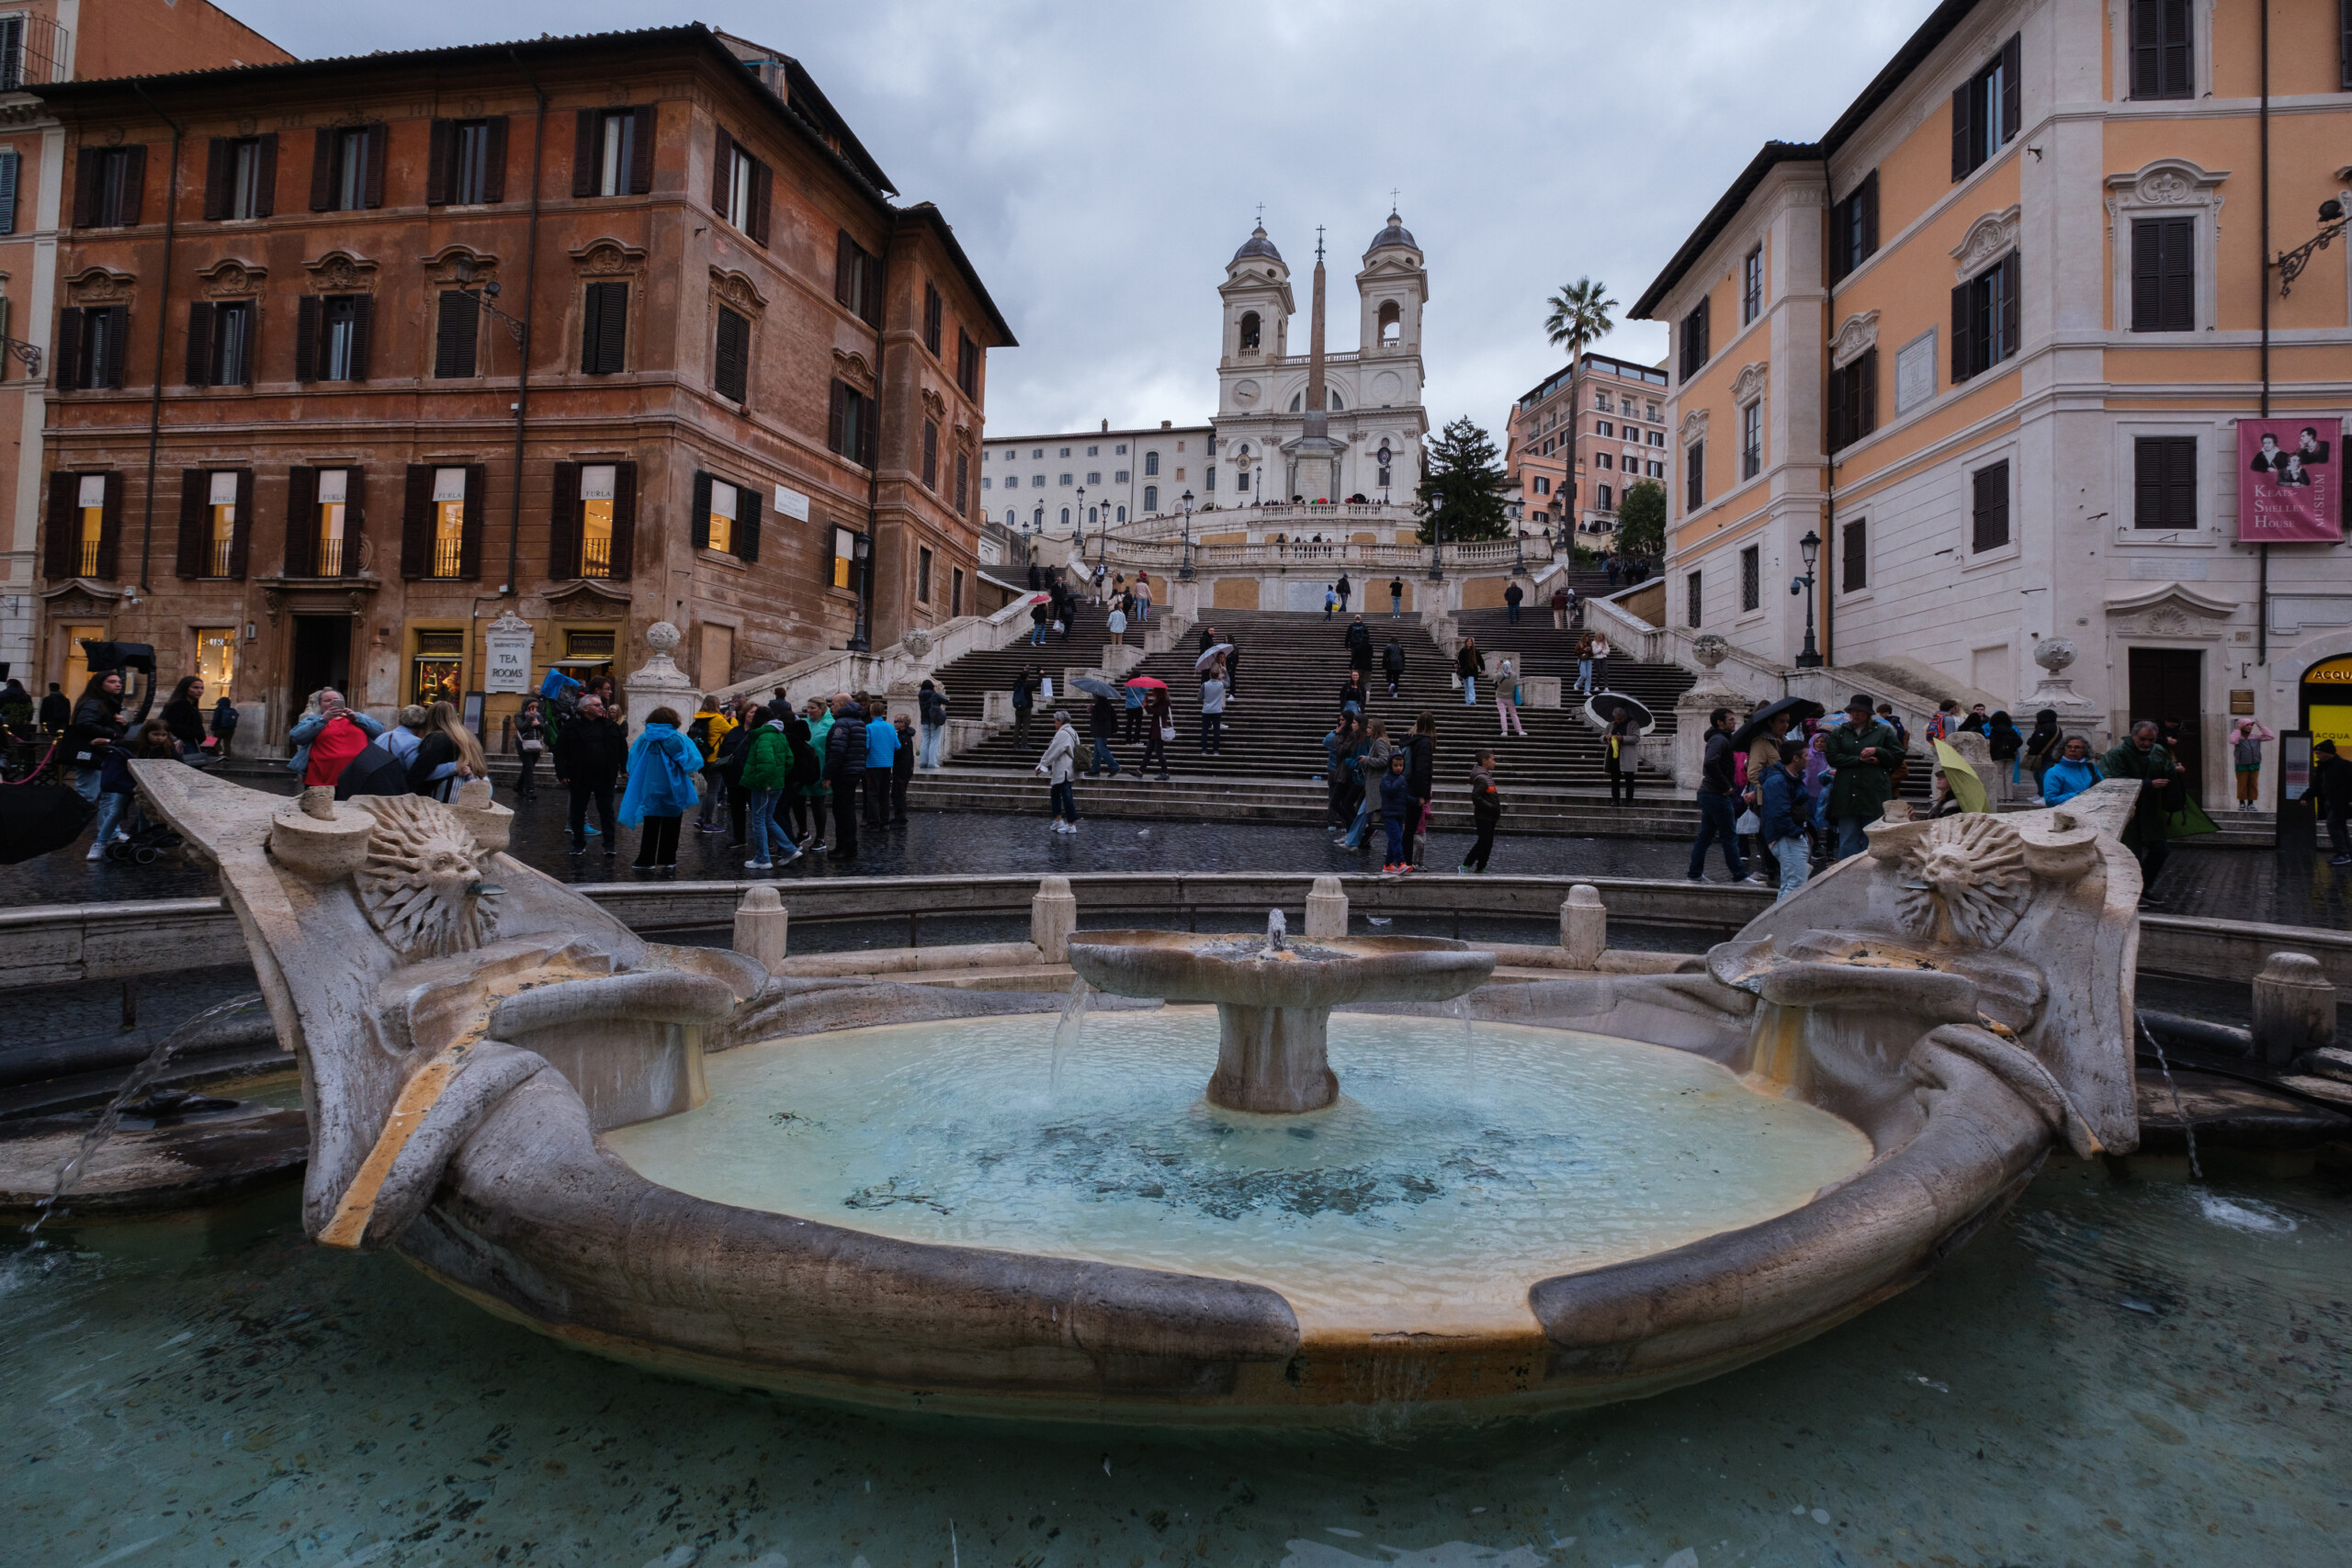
x=357 y=358
x=1579 y=437
x=41 y=43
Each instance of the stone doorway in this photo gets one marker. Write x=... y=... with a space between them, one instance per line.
x=320 y=657
x=2168 y=684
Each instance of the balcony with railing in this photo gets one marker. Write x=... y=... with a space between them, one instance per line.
x=218 y=555
x=449 y=554
x=32 y=52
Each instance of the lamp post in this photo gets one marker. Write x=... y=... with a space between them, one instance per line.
x=1185 y=571
x=862 y=553
x=1437 y=537
x=1810 y=545
x=2332 y=219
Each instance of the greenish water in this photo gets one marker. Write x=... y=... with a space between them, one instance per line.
x=2120 y=1373
x=1460 y=1166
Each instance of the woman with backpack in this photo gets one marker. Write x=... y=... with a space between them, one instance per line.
x=1507 y=699
x=708 y=729
x=445 y=758
x=933 y=707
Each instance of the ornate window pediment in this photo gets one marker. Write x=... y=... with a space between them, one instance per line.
x=2167 y=182
x=737 y=292
x=587 y=599
x=1856 y=338
x=608 y=258
x=2169 y=609
x=459 y=265
x=97 y=285
x=934 y=404
x=1988 y=239
x=232 y=279
x=1749 y=385
x=340 y=272
x=853 y=368
x=1694 y=426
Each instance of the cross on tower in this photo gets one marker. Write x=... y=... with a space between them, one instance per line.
x=1318 y=241
x=1261 y=215
x=1392 y=199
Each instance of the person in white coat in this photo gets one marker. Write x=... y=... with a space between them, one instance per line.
x=1060 y=765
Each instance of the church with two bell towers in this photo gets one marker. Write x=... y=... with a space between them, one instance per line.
x=1322 y=426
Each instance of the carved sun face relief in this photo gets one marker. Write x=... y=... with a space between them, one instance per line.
x=1965 y=881
x=423 y=883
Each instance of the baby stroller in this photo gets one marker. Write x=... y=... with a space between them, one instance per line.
x=148 y=842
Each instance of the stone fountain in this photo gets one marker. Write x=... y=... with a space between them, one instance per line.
x=494 y=1070
x=1274 y=1000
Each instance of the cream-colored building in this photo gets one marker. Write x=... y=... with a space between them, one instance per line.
x=2017 y=294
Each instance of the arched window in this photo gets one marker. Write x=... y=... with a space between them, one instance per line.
x=1151 y=498
x=1123 y=515
x=1331 y=400
x=1392 y=321
x=1248 y=330
x=1090 y=516
x=1151 y=462
x=1039 y=520
x=1011 y=517
x=1064 y=516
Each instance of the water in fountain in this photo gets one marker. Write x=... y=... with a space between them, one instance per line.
x=1067 y=1032
x=142 y=1075
x=1275 y=931
x=2187 y=1130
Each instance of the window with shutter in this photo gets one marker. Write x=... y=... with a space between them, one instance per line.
x=964 y=481
x=62 y=529
x=1854 y=228
x=199 y=343
x=2162 y=48
x=232 y=343
x=931 y=454
x=1989 y=509
x=1853 y=401
x=604 y=337
x=1751 y=284
x=968 y=356
x=1691 y=600
x=2164 y=275
x=932 y=307
x=1695 y=349
x=1854 y=556
x=732 y=376
x=623 y=521
x=747 y=525
x=2165 y=481
x=455 y=331
x=1985 y=318
x=1751 y=579
x=1751 y=442
x=1694 y=478
x=1987 y=110
x=10 y=162
x=566 y=527
x=109 y=187
x=467 y=162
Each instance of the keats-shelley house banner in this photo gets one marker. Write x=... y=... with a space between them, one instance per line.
x=2290 y=474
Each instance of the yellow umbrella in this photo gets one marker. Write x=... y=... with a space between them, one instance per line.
x=1966 y=788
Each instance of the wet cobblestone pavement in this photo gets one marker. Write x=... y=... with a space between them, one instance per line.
x=2237 y=884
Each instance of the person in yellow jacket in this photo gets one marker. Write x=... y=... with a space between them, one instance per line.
x=706 y=729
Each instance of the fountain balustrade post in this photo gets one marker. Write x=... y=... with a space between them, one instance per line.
x=1053 y=917
x=1327 y=910
x=1584 y=926
x=2294 y=1009
x=760 y=925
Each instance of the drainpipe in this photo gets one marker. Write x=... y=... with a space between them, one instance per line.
x=2262 y=597
x=530 y=277
x=862 y=641
x=162 y=325
x=1826 y=571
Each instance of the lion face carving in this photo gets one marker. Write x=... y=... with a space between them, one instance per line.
x=423 y=883
x=1965 y=881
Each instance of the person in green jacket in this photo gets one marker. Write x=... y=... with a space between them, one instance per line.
x=2147 y=759
x=767 y=769
x=816 y=795
x=1865 y=751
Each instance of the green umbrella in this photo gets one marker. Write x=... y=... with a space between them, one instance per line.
x=1966 y=788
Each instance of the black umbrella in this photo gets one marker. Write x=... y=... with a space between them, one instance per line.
x=374 y=771
x=1799 y=709
x=36 y=819
x=1599 y=706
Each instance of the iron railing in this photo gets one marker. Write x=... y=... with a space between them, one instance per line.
x=32 y=52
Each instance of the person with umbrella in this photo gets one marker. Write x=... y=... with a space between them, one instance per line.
x=1718 y=792
x=1865 y=753
x=1158 y=722
x=1783 y=813
x=1623 y=747
x=1101 y=724
x=1213 y=695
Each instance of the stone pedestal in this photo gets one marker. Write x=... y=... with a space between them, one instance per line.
x=996 y=710
x=760 y=921
x=1584 y=926
x=658 y=682
x=2294 y=1009
x=1327 y=910
x=1539 y=690
x=1273 y=1060
x=1977 y=752
x=965 y=734
x=1053 y=916
x=1690 y=709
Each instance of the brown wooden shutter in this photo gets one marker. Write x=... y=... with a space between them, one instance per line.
x=564 y=523
x=762 y=201
x=734 y=357
x=195 y=487
x=134 y=187
x=302 y=522
x=624 y=520
x=86 y=176
x=355 y=518
x=119 y=344
x=2012 y=285
x=835 y=417
x=2164 y=275
x=199 y=343
x=931 y=454
x=436 y=162
x=220 y=158
x=845 y=262
x=455 y=332
x=241 y=532
x=470 y=540
x=373 y=192
x=1839 y=412
x=1964 y=360
x=2012 y=86
x=640 y=152
x=265 y=177
x=1855 y=537
x=700 y=518
x=2147 y=482
x=60 y=548
x=323 y=170
x=65 y=360
x=587 y=151
x=603 y=335
x=869 y=431
x=747 y=525
x=722 y=166
x=1866 y=393
x=416 y=524
x=306 y=338
x=494 y=173
x=363 y=325
x=110 y=528
x=963 y=482
x=1869 y=215
x=1964 y=129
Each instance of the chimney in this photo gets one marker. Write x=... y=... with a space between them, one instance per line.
x=1106 y=427
x=1165 y=423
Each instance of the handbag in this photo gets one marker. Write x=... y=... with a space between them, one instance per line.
x=1168 y=732
x=1748 y=822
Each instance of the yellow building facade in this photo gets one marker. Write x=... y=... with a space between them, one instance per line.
x=1989 y=340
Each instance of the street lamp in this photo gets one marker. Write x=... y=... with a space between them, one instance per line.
x=2332 y=216
x=861 y=552
x=1810 y=546
x=1186 y=571
x=1437 y=537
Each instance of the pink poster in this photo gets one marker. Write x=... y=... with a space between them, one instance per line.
x=2289 y=475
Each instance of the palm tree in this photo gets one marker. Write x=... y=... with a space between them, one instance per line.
x=1579 y=315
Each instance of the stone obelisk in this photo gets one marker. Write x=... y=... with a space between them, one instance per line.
x=1316 y=465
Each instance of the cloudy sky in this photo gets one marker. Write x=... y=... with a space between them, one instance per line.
x=1101 y=162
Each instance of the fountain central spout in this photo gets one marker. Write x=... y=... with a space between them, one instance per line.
x=1275 y=931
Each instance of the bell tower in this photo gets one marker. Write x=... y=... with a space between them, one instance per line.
x=1391 y=288
x=1258 y=303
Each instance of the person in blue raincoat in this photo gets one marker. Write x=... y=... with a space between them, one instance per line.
x=662 y=767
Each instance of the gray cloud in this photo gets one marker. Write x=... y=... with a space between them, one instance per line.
x=1101 y=162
